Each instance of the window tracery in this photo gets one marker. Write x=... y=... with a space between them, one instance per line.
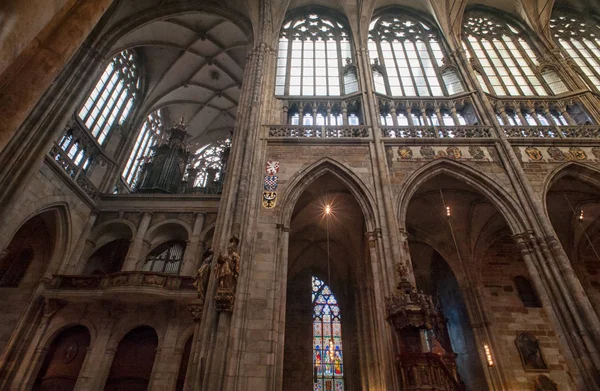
x=111 y=100
x=165 y=258
x=150 y=134
x=507 y=63
x=328 y=366
x=210 y=163
x=411 y=59
x=313 y=50
x=580 y=40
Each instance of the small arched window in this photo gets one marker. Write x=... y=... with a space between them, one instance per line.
x=150 y=134
x=313 y=50
x=527 y=292
x=580 y=40
x=165 y=258
x=328 y=363
x=504 y=60
x=411 y=55
x=210 y=164
x=111 y=100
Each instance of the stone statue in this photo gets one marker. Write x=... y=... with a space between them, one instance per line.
x=203 y=274
x=228 y=266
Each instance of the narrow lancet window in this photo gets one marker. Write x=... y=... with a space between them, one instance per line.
x=328 y=364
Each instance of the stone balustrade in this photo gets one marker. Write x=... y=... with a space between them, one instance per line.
x=76 y=173
x=298 y=131
x=135 y=279
x=436 y=132
x=566 y=132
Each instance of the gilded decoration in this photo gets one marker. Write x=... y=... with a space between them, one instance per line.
x=227 y=270
x=430 y=152
x=558 y=154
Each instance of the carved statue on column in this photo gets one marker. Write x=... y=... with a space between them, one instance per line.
x=425 y=359
x=228 y=270
x=203 y=274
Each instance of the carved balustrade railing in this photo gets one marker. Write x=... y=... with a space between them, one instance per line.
x=443 y=132
x=76 y=172
x=557 y=132
x=323 y=132
x=121 y=279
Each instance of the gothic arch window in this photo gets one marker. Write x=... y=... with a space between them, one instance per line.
x=211 y=161
x=165 y=258
x=527 y=292
x=313 y=50
x=580 y=40
x=407 y=58
x=504 y=60
x=150 y=134
x=111 y=100
x=328 y=362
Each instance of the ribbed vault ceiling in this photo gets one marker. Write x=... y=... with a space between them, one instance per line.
x=193 y=66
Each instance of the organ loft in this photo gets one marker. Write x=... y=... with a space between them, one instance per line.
x=369 y=195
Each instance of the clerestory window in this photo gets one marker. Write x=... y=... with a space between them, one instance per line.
x=111 y=100
x=580 y=40
x=315 y=57
x=150 y=134
x=328 y=361
x=210 y=163
x=407 y=58
x=504 y=59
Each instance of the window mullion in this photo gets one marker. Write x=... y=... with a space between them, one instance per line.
x=302 y=72
x=436 y=68
x=383 y=64
x=474 y=56
x=529 y=61
x=110 y=109
x=508 y=69
x=494 y=67
x=136 y=151
x=425 y=77
x=100 y=93
x=412 y=76
x=104 y=104
x=583 y=58
x=340 y=65
x=288 y=67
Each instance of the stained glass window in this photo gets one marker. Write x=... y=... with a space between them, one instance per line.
x=328 y=362
x=506 y=61
x=313 y=51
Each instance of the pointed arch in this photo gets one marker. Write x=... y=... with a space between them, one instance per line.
x=499 y=197
x=584 y=173
x=300 y=181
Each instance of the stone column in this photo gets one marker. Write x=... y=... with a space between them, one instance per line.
x=76 y=264
x=135 y=250
x=57 y=43
x=192 y=251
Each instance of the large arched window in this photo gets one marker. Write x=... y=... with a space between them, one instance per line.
x=150 y=134
x=580 y=39
x=112 y=98
x=328 y=364
x=315 y=57
x=504 y=60
x=407 y=58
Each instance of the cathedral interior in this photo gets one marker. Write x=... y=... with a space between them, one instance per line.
x=291 y=195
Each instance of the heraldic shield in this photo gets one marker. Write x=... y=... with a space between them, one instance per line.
x=269 y=199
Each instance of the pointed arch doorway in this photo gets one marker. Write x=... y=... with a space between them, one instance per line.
x=328 y=298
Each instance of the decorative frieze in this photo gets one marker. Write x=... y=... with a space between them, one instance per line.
x=430 y=152
x=554 y=154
